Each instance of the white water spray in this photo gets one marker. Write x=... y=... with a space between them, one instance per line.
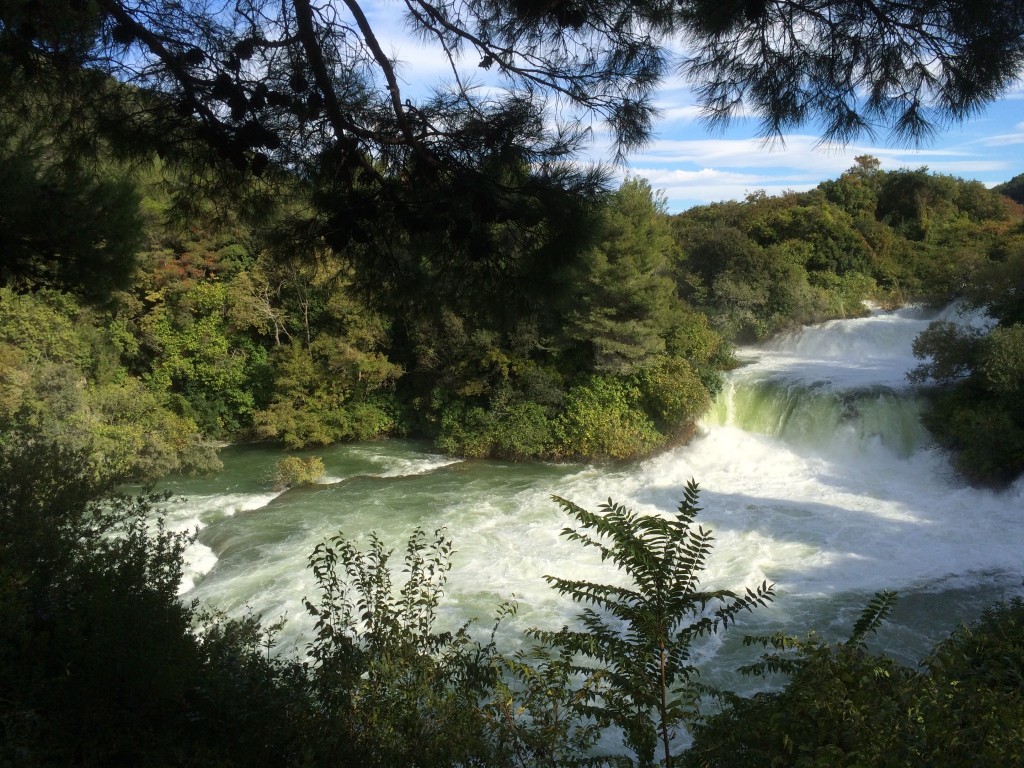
x=815 y=475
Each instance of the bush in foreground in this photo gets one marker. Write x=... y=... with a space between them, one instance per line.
x=844 y=706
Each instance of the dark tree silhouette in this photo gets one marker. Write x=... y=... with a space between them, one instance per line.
x=480 y=173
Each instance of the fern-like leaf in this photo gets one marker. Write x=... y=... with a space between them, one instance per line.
x=877 y=610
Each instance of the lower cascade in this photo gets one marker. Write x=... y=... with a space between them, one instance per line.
x=822 y=419
x=815 y=475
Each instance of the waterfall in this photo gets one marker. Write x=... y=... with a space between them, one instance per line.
x=815 y=474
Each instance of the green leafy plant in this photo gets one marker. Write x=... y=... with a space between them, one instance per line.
x=101 y=663
x=635 y=642
x=842 y=706
x=298 y=470
x=602 y=418
x=533 y=714
x=389 y=687
x=962 y=706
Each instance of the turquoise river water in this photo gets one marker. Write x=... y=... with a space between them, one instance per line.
x=815 y=475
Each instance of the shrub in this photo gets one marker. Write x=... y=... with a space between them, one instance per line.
x=603 y=419
x=100 y=663
x=844 y=706
x=983 y=433
x=1002 y=360
x=673 y=393
x=523 y=432
x=298 y=470
x=369 y=420
x=466 y=431
x=389 y=688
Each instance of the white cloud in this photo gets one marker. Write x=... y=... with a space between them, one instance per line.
x=693 y=171
x=686 y=188
x=1005 y=139
x=671 y=113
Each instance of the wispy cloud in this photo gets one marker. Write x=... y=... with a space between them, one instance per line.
x=1005 y=139
x=696 y=171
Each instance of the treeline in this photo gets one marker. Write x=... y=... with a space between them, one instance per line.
x=225 y=334
x=215 y=314
x=770 y=263
x=148 y=314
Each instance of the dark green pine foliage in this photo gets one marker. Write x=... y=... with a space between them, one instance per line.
x=634 y=644
x=628 y=299
x=64 y=223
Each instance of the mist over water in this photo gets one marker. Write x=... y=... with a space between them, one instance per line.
x=815 y=475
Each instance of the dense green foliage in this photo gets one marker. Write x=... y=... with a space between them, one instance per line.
x=635 y=641
x=1013 y=189
x=62 y=381
x=612 y=367
x=844 y=706
x=232 y=331
x=390 y=688
x=298 y=470
x=62 y=226
x=977 y=414
x=766 y=264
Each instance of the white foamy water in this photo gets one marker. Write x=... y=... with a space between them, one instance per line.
x=192 y=514
x=870 y=351
x=815 y=475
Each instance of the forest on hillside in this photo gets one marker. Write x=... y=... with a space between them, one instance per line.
x=220 y=328
x=211 y=235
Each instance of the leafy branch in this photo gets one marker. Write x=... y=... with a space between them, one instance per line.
x=634 y=647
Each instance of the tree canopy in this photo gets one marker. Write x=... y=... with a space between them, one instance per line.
x=309 y=88
x=852 y=67
x=316 y=74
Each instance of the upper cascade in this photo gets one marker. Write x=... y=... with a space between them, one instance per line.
x=822 y=419
x=836 y=387
x=859 y=353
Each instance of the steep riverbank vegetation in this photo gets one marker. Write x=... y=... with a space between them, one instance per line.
x=218 y=328
x=978 y=405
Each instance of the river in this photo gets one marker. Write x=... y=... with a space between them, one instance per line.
x=815 y=476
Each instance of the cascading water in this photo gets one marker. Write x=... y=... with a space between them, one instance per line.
x=815 y=475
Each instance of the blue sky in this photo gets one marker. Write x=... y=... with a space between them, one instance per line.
x=693 y=166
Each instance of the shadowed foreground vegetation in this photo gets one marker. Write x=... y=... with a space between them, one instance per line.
x=100 y=664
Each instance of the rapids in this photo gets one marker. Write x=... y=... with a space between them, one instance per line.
x=815 y=474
